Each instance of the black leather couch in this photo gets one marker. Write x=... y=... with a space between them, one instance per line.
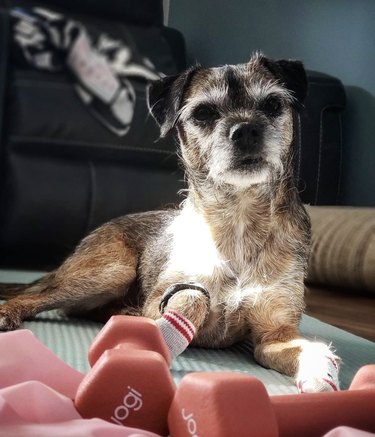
x=62 y=173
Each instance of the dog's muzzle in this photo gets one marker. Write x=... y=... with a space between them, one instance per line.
x=246 y=137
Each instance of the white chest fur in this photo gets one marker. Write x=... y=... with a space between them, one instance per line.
x=194 y=251
x=195 y=255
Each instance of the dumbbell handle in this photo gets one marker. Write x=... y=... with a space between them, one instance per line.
x=314 y=414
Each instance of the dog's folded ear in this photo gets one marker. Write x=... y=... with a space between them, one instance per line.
x=165 y=98
x=291 y=74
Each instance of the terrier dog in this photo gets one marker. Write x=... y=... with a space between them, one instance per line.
x=229 y=264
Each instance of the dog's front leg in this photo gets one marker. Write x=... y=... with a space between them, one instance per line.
x=100 y=271
x=278 y=345
x=183 y=309
x=313 y=365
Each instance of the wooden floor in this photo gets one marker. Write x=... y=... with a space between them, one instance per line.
x=350 y=311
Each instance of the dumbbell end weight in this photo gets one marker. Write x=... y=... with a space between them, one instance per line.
x=141 y=332
x=364 y=378
x=221 y=404
x=128 y=387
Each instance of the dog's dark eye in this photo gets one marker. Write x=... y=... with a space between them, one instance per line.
x=272 y=106
x=205 y=113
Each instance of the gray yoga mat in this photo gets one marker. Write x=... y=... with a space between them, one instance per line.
x=70 y=340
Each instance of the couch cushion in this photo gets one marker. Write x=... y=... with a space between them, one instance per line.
x=46 y=117
x=45 y=113
x=53 y=202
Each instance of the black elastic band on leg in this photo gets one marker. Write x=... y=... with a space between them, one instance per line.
x=175 y=288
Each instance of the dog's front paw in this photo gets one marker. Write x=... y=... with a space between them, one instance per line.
x=318 y=384
x=9 y=319
x=318 y=369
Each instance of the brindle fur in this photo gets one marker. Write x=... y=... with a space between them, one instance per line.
x=242 y=232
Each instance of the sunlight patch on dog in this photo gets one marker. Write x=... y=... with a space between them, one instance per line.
x=241 y=295
x=193 y=249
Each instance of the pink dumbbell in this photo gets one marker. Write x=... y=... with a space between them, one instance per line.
x=226 y=404
x=130 y=383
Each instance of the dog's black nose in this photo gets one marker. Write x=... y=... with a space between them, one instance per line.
x=245 y=135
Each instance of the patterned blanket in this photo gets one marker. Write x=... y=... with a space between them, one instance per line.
x=100 y=68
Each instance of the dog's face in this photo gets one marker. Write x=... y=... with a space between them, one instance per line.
x=234 y=122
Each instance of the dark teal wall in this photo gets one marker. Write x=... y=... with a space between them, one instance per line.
x=333 y=36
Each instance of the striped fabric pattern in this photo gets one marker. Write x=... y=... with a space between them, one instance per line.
x=181 y=324
x=178 y=332
x=343 y=247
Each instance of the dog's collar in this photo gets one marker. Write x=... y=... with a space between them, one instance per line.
x=175 y=288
